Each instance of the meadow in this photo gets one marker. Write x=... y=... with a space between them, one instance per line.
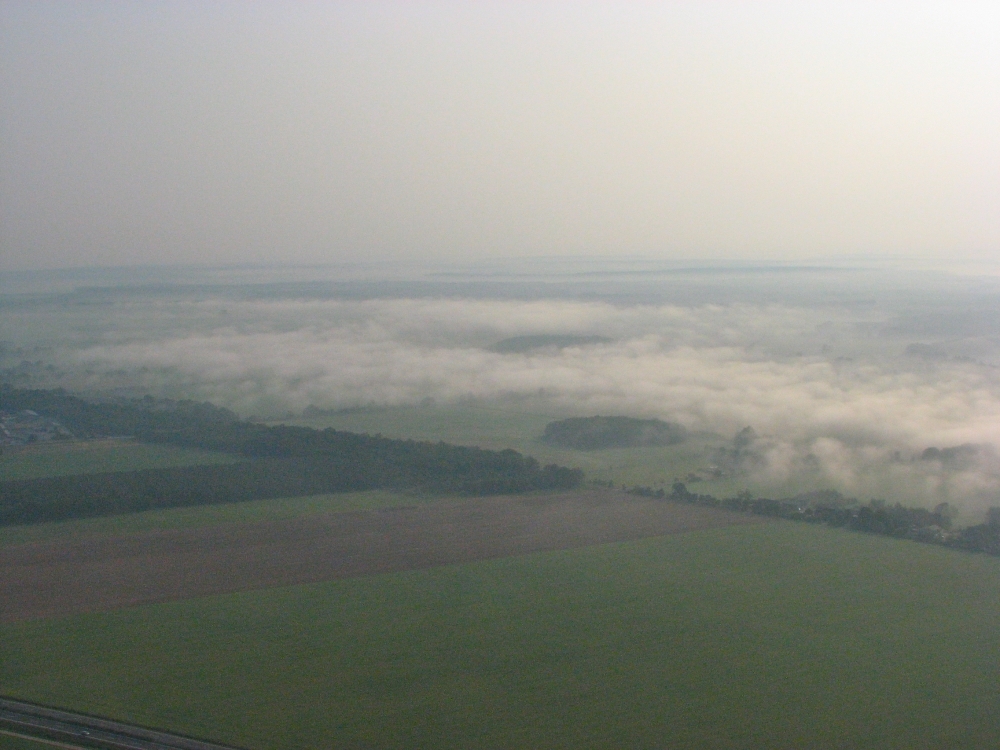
x=208 y=515
x=62 y=458
x=13 y=742
x=779 y=635
x=499 y=424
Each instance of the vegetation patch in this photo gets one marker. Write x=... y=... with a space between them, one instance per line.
x=66 y=457
x=352 y=466
x=250 y=511
x=15 y=741
x=830 y=508
x=283 y=461
x=724 y=638
x=108 y=572
x=522 y=344
x=594 y=433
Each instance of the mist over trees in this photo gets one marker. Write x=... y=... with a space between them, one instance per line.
x=286 y=461
x=522 y=344
x=595 y=433
x=814 y=358
x=830 y=508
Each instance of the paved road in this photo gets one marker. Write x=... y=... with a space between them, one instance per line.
x=79 y=730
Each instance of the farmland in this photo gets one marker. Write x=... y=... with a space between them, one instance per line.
x=583 y=619
x=110 y=572
x=208 y=515
x=777 y=634
x=509 y=424
x=280 y=461
x=13 y=742
x=56 y=458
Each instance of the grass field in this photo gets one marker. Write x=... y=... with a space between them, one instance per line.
x=97 y=456
x=12 y=742
x=93 y=456
x=500 y=426
x=207 y=515
x=497 y=427
x=781 y=635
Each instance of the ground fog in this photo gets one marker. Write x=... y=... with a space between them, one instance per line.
x=858 y=389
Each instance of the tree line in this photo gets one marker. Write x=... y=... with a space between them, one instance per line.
x=830 y=508
x=281 y=461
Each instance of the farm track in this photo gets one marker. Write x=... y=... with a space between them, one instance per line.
x=49 y=579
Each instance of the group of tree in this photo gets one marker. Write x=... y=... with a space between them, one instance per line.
x=280 y=461
x=741 y=455
x=595 y=433
x=830 y=508
x=148 y=419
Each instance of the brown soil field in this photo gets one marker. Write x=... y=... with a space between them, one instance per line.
x=48 y=579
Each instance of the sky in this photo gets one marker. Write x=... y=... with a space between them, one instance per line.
x=229 y=132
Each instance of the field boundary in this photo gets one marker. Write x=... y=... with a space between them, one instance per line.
x=95 y=574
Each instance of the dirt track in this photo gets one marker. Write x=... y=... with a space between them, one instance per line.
x=103 y=573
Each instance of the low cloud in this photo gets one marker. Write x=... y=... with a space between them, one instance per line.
x=825 y=391
x=708 y=367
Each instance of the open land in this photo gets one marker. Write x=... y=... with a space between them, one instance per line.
x=770 y=634
x=73 y=730
x=46 y=579
x=250 y=511
x=509 y=424
x=62 y=458
x=761 y=635
x=15 y=741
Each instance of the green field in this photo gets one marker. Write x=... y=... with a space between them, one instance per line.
x=94 y=456
x=779 y=635
x=498 y=425
x=11 y=742
x=208 y=515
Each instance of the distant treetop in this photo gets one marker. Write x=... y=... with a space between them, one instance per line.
x=520 y=344
x=594 y=433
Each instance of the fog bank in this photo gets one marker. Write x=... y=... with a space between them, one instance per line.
x=855 y=392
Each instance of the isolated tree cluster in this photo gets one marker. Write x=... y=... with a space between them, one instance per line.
x=280 y=461
x=595 y=433
x=830 y=508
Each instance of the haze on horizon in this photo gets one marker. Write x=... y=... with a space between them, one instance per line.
x=277 y=207
x=226 y=133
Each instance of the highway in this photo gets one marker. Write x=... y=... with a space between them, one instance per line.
x=67 y=729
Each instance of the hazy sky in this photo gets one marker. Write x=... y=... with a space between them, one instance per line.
x=195 y=132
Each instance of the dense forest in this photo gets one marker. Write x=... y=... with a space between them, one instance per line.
x=595 y=433
x=282 y=461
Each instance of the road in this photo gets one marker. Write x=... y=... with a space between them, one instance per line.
x=82 y=731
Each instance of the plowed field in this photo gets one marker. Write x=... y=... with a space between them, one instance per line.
x=108 y=572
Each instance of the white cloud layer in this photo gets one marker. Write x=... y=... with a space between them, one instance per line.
x=829 y=390
x=710 y=367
